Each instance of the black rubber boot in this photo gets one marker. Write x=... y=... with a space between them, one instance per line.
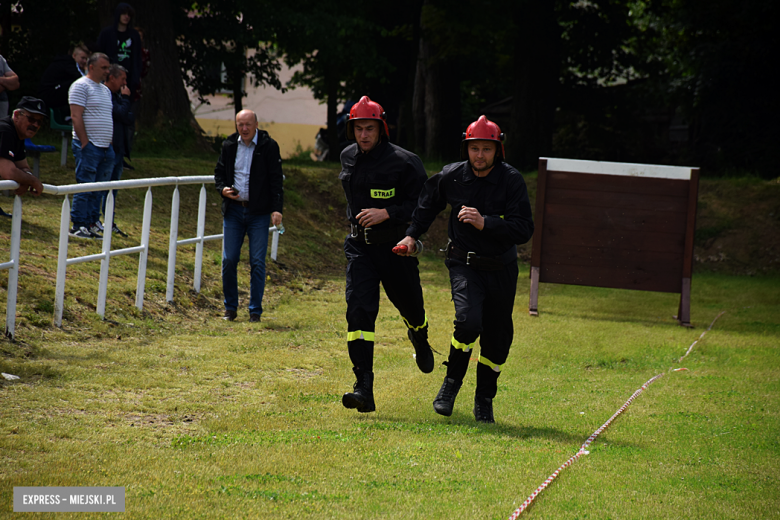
x=423 y=354
x=487 y=381
x=362 y=395
x=487 y=385
x=457 y=363
x=483 y=409
x=445 y=399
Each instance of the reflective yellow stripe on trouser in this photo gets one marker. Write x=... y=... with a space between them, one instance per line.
x=425 y=323
x=360 y=334
x=462 y=346
x=485 y=361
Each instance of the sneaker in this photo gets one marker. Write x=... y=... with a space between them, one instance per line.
x=483 y=409
x=80 y=232
x=4 y=214
x=445 y=400
x=96 y=231
x=254 y=318
x=230 y=315
x=115 y=229
x=99 y=225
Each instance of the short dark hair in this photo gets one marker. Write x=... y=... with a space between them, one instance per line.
x=115 y=70
x=94 y=57
x=80 y=47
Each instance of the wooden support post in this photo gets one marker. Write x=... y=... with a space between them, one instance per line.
x=684 y=311
x=532 y=304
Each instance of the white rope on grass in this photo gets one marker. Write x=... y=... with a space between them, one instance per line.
x=583 y=449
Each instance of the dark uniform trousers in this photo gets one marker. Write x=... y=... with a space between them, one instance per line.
x=367 y=266
x=484 y=301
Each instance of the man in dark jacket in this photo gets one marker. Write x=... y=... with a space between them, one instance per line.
x=490 y=215
x=122 y=43
x=249 y=177
x=124 y=119
x=382 y=182
x=58 y=77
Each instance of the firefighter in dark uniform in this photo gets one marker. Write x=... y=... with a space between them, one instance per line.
x=490 y=215
x=382 y=183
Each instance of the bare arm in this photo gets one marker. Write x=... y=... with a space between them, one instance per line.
x=77 y=117
x=9 y=82
x=20 y=172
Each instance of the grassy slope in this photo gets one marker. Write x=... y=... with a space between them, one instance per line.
x=198 y=417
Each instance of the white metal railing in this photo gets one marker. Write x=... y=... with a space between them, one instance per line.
x=13 y=264
x=142 y=249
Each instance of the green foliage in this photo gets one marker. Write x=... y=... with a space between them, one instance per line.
x=237 y=35
x=41 y=30
x=336 y=47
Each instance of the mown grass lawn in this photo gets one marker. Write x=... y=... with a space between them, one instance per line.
x=228 y=420
x=200 y=418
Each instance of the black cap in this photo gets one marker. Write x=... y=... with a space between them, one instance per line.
x=34 y=105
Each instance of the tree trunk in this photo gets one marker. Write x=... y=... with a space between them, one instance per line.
x=106 y=10
x=406 y=133
x=165 y=102
x=537 y=67
x=442 y=111
x=333 y=136
x=237 y=83
x=237 y=78
x=437 y=96
x=418 y=101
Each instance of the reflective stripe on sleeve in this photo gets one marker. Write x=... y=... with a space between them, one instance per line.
x=360 y=334
x=485 y=361
x=462 y=346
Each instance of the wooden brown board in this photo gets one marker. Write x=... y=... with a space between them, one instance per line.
x=617 y=225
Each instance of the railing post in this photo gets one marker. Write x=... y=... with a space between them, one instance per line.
x=142 y=257
x=13 y=272
x=201 y=233
x=103 y=286
x=174 y=237
x=274 y=244
x=62 y=262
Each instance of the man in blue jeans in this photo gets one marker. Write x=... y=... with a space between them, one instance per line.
x=93 y=128
x=249 y=177
x=124 y=119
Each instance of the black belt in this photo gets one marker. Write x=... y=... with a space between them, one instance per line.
x=376 y=236
x=482 y=263
x=244 y=203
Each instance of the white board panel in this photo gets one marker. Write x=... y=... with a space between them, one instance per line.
x=615 y=168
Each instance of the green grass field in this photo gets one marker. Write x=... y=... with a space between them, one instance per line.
x=200 y=418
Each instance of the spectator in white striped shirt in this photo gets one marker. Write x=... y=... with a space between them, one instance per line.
x=93 y=128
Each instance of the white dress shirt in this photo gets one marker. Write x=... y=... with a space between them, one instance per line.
x=242 y=166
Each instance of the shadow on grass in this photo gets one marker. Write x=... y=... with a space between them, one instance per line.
x=465 y=423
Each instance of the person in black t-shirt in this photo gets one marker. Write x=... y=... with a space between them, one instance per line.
x=24 y=123
x=122 y=44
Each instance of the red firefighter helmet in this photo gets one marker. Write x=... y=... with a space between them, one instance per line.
x=486 y=130
x=366 y=109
